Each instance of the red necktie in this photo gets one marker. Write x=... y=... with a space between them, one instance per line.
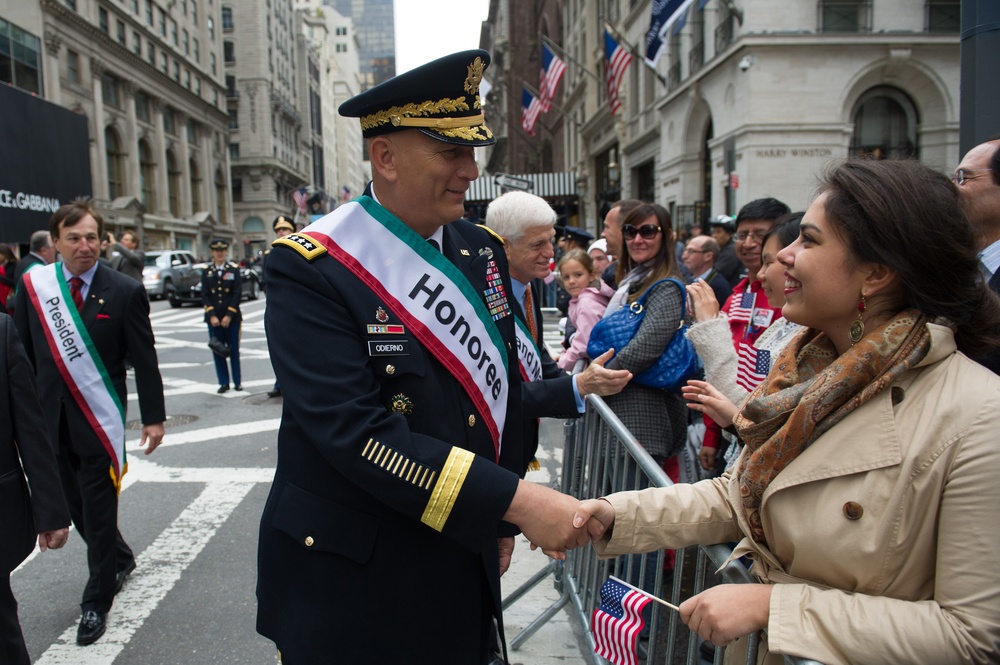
x=529 y=313
x=75 y=291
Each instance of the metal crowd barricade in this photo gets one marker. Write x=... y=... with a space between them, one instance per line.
x=601 y=456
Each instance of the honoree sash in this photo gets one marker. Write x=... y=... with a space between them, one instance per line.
x=78 y=362
x=528 y=355
x=429 y=294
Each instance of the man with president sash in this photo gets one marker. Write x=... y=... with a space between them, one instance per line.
x=78 y=320
x=397 y=488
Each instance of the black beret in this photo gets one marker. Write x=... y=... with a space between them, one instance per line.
x=441 y=99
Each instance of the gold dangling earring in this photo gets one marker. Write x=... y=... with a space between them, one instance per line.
x=857 y=330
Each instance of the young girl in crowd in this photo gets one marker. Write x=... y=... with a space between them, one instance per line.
x=589 y=298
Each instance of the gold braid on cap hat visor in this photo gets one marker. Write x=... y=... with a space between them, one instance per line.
x=409 y=115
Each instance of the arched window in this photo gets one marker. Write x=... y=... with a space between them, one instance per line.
x=885 y=125
x=220 y=194
x=116 y=164
x=173 y=184
x=195 y=185
x=146 y=176
x=253 y=225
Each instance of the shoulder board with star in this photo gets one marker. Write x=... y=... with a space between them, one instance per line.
x=303 y=244
x=491 y=232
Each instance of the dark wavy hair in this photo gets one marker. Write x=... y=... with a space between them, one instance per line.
x=70 y=214
x=664 y=264
x=786 y=228
x=908 y=217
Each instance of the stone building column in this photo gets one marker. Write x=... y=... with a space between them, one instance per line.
x=184 y=157
x=101 y=161
x=160 y=156
x=53 y=88
x=131 y=176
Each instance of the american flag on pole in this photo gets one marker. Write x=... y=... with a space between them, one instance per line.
x=741 y=308
x=752 y=366
x=552 y=70
x=617 y=622
x=530 y=108
x=301 y=197
x=616 y=61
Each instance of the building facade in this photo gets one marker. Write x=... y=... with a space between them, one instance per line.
x=146 y=76
x=374 y=21
x=753 y=100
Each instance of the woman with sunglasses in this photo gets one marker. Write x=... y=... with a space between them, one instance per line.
x=656 y=417
x=866 y=494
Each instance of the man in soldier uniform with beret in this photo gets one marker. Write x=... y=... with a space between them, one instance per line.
x=221 y=287
x=397 y=488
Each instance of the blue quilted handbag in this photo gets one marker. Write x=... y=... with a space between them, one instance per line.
x=679 y=361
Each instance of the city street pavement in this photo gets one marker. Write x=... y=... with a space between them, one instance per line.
x=190 y=512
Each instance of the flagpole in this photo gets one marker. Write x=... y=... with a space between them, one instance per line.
x=631 y=49
x=554 y=105
x=576 y=62
x=645 y=593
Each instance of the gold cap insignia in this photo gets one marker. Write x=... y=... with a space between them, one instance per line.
x=475 y=76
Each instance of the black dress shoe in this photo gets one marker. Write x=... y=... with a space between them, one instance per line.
x=223 y=389
x=274 y=393
x=122 y=574
x=238 y=386
x=92 y=626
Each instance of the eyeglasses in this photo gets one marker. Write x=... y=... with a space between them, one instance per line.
x=758 y=236
x=961 y=175
x=647 y=231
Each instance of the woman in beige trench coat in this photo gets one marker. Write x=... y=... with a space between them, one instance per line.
x=868 y=491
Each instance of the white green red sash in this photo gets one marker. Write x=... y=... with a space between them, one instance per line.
x=529 y=358
x=429 y=294
x=78 y=362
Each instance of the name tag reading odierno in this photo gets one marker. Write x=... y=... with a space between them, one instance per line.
x=389 y=347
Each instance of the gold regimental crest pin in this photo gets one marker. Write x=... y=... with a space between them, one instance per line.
x=401 y=404
x=381 y=316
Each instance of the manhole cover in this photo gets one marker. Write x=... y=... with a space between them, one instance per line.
x=171 y=421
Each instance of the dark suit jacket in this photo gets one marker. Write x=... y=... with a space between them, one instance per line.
x=220 y=295
x=346 y=565
x=25 y=452
x=728 y=264
x=116 y=314
x=553 y=396
x=992 y=359
x=22 y=266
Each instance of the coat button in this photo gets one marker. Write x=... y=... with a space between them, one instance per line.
x=472 y=421
x=897 y=394
x=853 y=510
x=309 y=541
x=390 y=369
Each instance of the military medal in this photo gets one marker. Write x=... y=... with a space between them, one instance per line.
x=496 y=297
x=381 y=316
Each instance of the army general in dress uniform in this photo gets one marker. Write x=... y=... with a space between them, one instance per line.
x=221 y=287
x=390 y=330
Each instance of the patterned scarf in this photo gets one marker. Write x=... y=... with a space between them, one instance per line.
x=809 y=390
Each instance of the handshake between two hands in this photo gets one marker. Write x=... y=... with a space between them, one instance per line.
x=556 y=522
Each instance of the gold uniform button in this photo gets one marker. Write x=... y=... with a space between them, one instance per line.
x=309 y=541
x=390 y=369
x=472 y=421
x=853 y=510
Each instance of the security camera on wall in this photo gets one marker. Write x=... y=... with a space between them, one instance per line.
x=746 y=62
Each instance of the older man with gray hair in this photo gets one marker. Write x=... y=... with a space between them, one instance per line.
x=527 y=225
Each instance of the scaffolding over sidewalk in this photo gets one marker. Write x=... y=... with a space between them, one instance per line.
x=600 y=456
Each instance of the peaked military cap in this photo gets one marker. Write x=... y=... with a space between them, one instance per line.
x=282 y=222
x=219 y=243
x=440 y=98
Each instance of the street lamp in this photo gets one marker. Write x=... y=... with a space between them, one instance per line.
x=614 y=173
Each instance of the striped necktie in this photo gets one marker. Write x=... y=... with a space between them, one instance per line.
x=76 y=292
x=529 y=312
